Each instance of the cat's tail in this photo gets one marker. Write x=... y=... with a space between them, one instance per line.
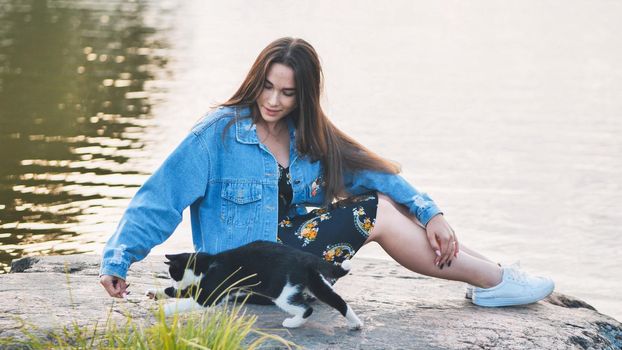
x=335 y=271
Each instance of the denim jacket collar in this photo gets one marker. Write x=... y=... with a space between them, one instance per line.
x=246 y=130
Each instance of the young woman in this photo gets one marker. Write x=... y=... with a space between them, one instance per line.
x=249 y=170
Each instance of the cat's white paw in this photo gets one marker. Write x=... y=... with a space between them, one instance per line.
x=182 y=306
x=150 y=293
x=169 y=309
x=353 y=321
x=153 y=293
x=355 y=325
x=294 y=322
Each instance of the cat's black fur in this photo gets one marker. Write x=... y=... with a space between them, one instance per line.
x=278 y=273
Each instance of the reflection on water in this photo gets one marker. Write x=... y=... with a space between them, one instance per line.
x=74 y=103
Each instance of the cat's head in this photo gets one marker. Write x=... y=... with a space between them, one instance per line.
x=181 y=268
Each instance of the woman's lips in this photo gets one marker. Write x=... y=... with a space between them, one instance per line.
x=271 y=112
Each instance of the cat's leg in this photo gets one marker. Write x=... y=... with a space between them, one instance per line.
x=292 y=301
x=323 y=290
x=309 y=297
x=161 y=293
x=181 y=306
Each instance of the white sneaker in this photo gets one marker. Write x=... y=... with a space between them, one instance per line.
x=469 y=291
x=469 y=287
x=516 y=288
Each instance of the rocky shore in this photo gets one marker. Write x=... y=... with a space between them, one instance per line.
x=401 y=310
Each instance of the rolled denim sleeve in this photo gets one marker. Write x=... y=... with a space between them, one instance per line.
x=156 y=209
x=397 y=188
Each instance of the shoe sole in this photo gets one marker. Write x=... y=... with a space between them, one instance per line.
x=498 y=302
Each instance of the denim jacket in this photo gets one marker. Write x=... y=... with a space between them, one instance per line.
x=231 y=187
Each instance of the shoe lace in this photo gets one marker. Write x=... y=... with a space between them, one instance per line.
x=517 y=275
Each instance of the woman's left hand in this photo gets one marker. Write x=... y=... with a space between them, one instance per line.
x=443 y=240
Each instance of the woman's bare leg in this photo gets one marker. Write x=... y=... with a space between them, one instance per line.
x=463 y=247
x=407 y=243
x=473 y=253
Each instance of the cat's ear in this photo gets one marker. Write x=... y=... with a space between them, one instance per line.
x=171 y=257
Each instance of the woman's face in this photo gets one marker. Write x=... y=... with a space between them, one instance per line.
x=278 y=97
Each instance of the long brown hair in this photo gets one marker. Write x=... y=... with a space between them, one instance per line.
x=316 y=136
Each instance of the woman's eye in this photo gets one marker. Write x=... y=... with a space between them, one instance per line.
x=289 y=94
x=267 y=87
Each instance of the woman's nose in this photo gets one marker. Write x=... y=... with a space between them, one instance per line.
x=273 y=99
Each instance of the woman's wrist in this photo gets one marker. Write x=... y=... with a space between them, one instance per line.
x=435 y=216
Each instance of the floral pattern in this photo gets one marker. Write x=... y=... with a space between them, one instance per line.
x=328 y=231
x=362 y=222
x=285 y=222
x=337 y=253
x=307 y=232
x=316 y=185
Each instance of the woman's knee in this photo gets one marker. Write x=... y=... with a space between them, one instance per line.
x=388 y=207
x=386 y=212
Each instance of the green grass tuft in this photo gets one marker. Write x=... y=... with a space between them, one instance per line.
x=217 y=328
x=221 y=327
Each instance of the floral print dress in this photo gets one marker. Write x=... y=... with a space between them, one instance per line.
x=335 y=232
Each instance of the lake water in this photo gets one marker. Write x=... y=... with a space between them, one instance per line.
x=508 y=114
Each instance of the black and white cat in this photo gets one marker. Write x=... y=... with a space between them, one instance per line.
x=279 y=274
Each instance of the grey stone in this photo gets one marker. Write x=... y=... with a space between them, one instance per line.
x=23 y=264
x=401 y=309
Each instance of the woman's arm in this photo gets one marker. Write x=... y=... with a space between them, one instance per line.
x=156 y=209
x=441 y=236
x=396 y=187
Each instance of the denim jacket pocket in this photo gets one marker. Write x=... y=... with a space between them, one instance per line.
x=241 y=203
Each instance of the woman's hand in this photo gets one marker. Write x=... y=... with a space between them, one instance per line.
x=114 y=285
x=443 y=240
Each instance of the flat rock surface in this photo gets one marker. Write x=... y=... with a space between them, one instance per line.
x=400 y=309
